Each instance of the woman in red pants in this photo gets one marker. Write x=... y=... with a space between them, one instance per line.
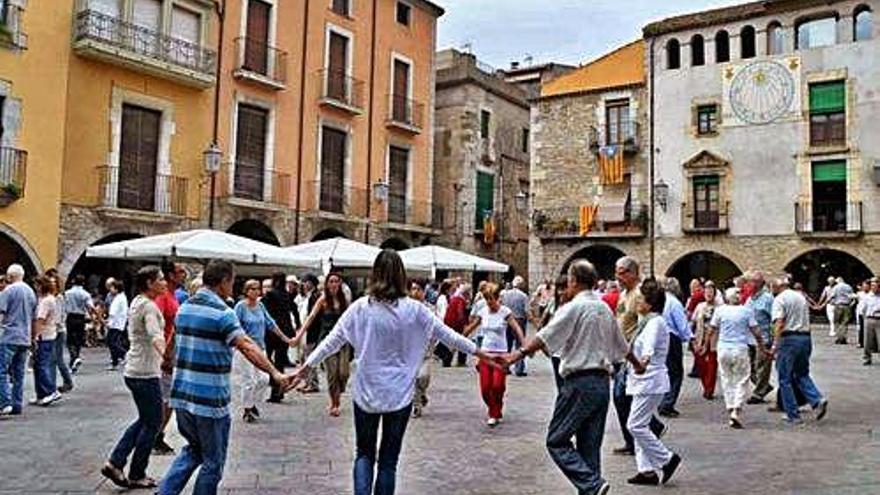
x=704 y=346
x=492 y=321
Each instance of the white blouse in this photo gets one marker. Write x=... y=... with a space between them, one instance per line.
x=653 y=341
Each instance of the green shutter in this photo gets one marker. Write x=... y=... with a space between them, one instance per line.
x=834 y=171
x=828 y=97
x=485 y=197
x=706 y=180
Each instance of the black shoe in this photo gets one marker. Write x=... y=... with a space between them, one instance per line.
x=248 y=416
x=274 y=400
x=755 y=400
x=866 y=362
x=625 y=450
x=162 y=448
x=603 y=490
x=255 y=411
x=693 y=375
x=840 y=341
x=670 y=467
x=821 y=409
x=115 y=475
x=669 y=413
x=650 y=479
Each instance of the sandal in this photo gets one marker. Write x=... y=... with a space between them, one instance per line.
x=145 y=482
x=115 y=475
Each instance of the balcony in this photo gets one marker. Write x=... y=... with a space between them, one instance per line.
x=335 y=200
x=564 y=223
x=11 y=35
x=251 y=186
x=113 y=40
x=340 y=91
x=413 y=213
x=260 y=63
x=13 y=173
x=626 y=134
x=832 y=219
x=125 y=195
x=405 y=114
x=704 y=222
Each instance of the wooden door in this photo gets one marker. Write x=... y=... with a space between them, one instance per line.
x=138 y=157
x=706 y=202
x=401 y=111
x=617 y=123
x=250 y=152
x=332 y=170
x=398 y=165
x=256 y=50
x=337 y=64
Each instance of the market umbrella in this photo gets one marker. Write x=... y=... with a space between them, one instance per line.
x=441 y=258
x=340 y=252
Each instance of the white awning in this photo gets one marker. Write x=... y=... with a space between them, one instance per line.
x=441 y=258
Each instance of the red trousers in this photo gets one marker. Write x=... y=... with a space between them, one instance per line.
x=708 y=372
x=493 y=383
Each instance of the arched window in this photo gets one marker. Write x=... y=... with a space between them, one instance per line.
x=673 y=54
x=775 y=39
x=747 y=42
x=698 y=51
x=722 y=47
x=863 y=23
x=814 y=32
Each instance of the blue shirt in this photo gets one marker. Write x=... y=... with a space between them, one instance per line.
x=18 y=303
x=761 y=304
x=206 y=330
x=255 y=321
x=676 y=318
x=181 y=295
x=734 y=324
x=77 y=301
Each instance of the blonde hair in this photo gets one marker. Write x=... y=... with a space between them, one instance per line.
x=490 y=289
x=251 y=283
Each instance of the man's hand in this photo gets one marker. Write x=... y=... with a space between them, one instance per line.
x=490 y=359
x=167 y=366
x=641 y=366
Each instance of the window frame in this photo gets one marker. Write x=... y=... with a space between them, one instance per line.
x=346 y=11
x=526 y=137
x=711 y=128
x=406 y=8
x=706 y=218
x=860 y=10
x=485 y=123
x=725 y=36
x=673 y=63
x=623 y=124
x=775 y=27
x=748 y=34
x=479 y=221
x=698 y=40
x=804 y=21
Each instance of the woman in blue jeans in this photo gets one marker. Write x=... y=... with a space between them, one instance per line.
x=390 y=333
x=142 y=373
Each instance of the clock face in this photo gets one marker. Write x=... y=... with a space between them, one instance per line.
x=762 y=92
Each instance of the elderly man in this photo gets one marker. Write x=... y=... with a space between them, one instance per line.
x=18 y=305
x=871 y=317
x=78 y=305
x=517 y=301
x=585 y=336
x=761 y=304
x=825 y=301
x=680 y=333
x=842 y=296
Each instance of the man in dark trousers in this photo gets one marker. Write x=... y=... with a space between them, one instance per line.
x=281 y=308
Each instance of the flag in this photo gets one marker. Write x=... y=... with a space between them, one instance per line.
x=587 y=218
x=611 y=164
x=489 y=230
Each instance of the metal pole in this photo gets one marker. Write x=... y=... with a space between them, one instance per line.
x=211 y=200
x=651 y=207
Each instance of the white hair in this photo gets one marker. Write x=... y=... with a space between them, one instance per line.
x=629 y=264
x=731 y=295
x=15 y=272
x=519 y=282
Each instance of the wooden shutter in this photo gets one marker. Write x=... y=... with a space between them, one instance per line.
x=340 y=7
x=250 y=152
x=485 y=197
x=138 y=156
x=831 y=171
x=617 y=122
x=401 y=112
x=397 y=179
x=333 y=143
x=186 y=25
x=706 y=202
x=827 y=97
x=337 y=65
x=256 y=51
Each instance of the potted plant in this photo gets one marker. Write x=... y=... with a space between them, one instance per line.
x=9 y=192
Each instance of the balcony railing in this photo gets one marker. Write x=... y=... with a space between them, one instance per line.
x=704 y=222
x=261 y=62
x=13 y=172
x=11 y=33
x=406 y=211
x=340 y=90
x=565 y=223
x=162 y=193
x=110 y=38
x=832 y=218
x=336 y=198
x=625 y=134
x=405 y=113
x=250 y=183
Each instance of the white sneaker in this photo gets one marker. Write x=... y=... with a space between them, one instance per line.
x=6 y=411
x=49 y=399
x=34 y=401
x=492 y=422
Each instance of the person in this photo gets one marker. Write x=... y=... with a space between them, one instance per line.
x=493 y=320
x=560 y=297
x=3 y=282
x=285 y=316
x=517 y=301
x=266 y=286
x=142 y=374
x=825 y=301
x=761 y=304
x=18 y=304
x=167 y=302
x=588 y=341
x=648 y=385
x=321 y=321
x=417 y=292
x=611 y=297
x=78 y=305
x=705 y=345
x=734 y=323
x=43 y=341
x=680 y=334
x=305 y=304
x=792 y=347
x=207 y=330
x=626 y=270
x=60 y=333
x=389 y=333
x=543 y=295
x=695 y=298
x=117 y=318
x=456 y=318
x=864 y=291
x=842 y=297
x=442 y=303
x=871 y=317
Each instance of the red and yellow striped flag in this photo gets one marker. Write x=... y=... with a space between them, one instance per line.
x=587 y=218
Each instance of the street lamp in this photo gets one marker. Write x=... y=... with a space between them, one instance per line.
x=522 y=201
x=211 y=159
x=661 y=194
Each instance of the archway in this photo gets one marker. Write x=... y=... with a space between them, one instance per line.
x=328 y=234
x=603 y=257
x=97 y=270
x=394 y=243
x=254 y=229
x=814 y=267
x=13 y=252
x=707 y=265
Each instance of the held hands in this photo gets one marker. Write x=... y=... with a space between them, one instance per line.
x=641 y=366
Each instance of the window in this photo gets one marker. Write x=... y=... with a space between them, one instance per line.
x=333 y=144
x=138 y=158
x=485 y=123
x=256 y=50
x=829 y=196
x=815 y=33
x=862 y=29
x=747 y=42
x=526 y=135
x=828 y=114
x=673 y=54
x=722 y=47
x=398 y=165
x=618 y=129
x=706 y=202
x=775 y=39
x=341 y=7
x=698 y=51
x=404 y=12
x=485 y=198
x=401 y=107
x=337 y=67
x=250 y=151
x=707 y=119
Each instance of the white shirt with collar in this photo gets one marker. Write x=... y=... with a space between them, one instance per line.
x=117 y=315
x=653 y=342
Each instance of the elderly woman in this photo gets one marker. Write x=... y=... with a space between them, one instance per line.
x=704 y=344
x=734 y=324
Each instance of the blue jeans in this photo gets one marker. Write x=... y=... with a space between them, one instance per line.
x=116 y=344
x=675 y=367
x=207 y=439
x=793 y=365
x=366 y=426
x=580 y=411
x=13 y=359
x=60 y=363
x=141 y=434
x=44 y=369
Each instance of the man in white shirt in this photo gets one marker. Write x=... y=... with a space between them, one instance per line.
x=117 y=317
x=825 y=301
x=871 y=317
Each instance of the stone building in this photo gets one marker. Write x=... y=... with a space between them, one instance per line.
x=481 y=160
x=590 y=165
x=532 y=77
x=765 y=122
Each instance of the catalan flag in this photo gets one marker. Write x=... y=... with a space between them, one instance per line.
x=587 y=218
x=611 y=164
x=489 y=230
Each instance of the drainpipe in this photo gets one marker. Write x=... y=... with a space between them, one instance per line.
x=371 y=116
x=302 y=122
x=220 y=8
x=651 y=207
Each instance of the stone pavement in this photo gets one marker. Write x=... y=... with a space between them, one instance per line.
x=298 y=449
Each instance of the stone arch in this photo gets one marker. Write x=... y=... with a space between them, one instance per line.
x=603 y=256
x=14 y=248
x=97 y=270
x=710 y=265
x=256 y=230
x=395 y=243
x=813 y=267
x=328 y=234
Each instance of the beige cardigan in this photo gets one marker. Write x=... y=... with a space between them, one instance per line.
x=702 y=317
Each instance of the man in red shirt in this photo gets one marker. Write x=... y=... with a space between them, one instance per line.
x=456 y=318
x=175 y=275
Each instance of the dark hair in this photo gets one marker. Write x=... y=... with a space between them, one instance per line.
x=279 y=281
x=388 y=281
x=310 y=278
x=168 y=268
x=584 y=273
x=119 y=285
x=217 y=272
x=561 y=284
x=654 y=294
x=43 y=285
x=445 y=287
x=420 y=282
x=79 y=279
x=338 y=301
x=143 y=277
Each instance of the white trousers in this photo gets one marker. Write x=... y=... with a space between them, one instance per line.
x=735 y=369
x=252 y=381
x=829 y=310
x=651 y=454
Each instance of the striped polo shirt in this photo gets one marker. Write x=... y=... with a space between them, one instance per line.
x=205 y=332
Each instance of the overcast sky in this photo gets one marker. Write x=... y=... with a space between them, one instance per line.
x=570 y=31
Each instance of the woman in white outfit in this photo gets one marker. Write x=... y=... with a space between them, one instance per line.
x=647 y=384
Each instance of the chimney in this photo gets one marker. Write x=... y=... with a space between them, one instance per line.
x=514 y=65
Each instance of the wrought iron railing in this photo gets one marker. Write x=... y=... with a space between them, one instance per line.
x=339 y=87
x=333 y=196
x=406 y=112
x=254 y=183
x=828 y=218
x=625 y=134
x=161 y=193
x=257 y=57
x=407 y=211
x=11 y=33
x=704 y=221
x=565 y=222
x=110 y=30
x=13 y=172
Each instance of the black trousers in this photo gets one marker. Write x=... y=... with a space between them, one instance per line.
x=76 y=335
x=444 y=354
x=675 y=365
x=278 y=356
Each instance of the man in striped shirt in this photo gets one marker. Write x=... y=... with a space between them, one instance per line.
x=206 y=333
